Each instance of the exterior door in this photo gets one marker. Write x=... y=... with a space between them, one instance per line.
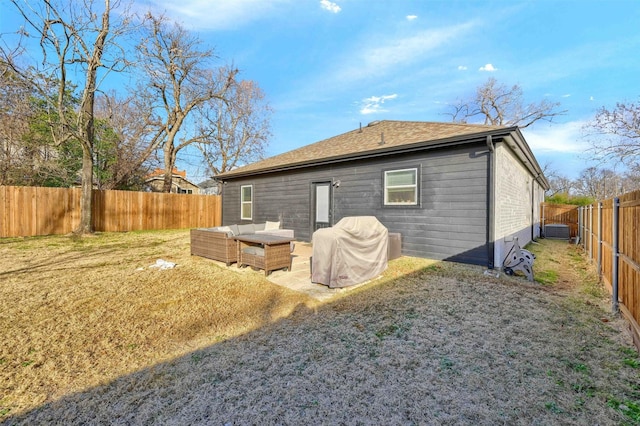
x=322 y=209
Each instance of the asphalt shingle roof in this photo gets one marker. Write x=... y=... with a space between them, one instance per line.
x=368 y=140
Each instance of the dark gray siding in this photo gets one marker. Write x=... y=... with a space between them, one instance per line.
x=450 y=223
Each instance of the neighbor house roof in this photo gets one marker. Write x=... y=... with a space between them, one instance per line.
x=178 y=175
x=381 y=138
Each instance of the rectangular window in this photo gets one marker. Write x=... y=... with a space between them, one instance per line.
x=246 y=202
x=401 y=187
x=322 y=203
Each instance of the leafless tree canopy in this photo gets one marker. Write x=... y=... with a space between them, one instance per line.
x=76 y=39
x=615 y=134
x=559 y=183
x=238 y=128
x=53 y=101
x=593 y=183
x=178 y=82
x=598 y=184
x=180 y=99
x=123 y=150
x=500 y=105
x=15 y=112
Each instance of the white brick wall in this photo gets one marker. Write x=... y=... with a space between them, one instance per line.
x=513 y=198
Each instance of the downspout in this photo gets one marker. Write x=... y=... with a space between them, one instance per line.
x=491 y=232
x=221 y=185
x=533 y=207
x=533 y=203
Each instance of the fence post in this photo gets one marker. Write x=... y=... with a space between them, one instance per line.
x=579 y=241
x=585 y=225
x=614 y=267
x=590 y=237
x=599 y=248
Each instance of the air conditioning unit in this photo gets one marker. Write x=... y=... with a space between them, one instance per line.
x=556 y=231
x=394 y=249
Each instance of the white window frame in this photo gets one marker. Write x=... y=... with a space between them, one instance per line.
x=414 y=186
x=244 y=203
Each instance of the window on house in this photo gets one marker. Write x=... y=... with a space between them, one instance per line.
x=246 y=202
x=401 y=187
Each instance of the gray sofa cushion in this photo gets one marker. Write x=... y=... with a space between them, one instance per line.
x=256 y=251
x=259 y=226
x=234 y=229
x=278 y=232
x=246 y=229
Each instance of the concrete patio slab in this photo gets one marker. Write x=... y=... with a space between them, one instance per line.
x=299 y=278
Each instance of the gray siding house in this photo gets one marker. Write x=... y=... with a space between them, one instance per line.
x=457 y=192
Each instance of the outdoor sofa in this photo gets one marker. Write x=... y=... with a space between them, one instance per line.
x=218 y=243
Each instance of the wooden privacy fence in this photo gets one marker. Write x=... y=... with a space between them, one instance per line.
x=29 y=211
x=565 y=214
x=609 y=233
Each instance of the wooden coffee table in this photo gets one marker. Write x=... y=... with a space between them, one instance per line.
x=264 y=251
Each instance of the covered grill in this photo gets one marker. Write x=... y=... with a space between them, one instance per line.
x=354 y=250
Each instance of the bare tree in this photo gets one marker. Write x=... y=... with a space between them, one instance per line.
x=78 y=46
x=238 y=128
x=15 y=113
x=631 y=178
x=599 y=184
x=178 y=83
x=124 y=141
x=500 y=105
x=615 y=134
x=559 y=183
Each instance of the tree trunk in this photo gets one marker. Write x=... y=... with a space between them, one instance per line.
x=87 y=124
x=86 y=201
x=169 y=162
x=168 y=180
x=86 y=222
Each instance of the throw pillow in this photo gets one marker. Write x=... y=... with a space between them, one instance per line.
x=270 y=226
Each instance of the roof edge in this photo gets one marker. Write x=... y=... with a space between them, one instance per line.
x=527 y=158
x=433 y=144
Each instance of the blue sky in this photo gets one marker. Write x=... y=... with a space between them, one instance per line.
x=327 y=66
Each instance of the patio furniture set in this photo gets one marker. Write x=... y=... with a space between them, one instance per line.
x=354 y=250
x=261 y=245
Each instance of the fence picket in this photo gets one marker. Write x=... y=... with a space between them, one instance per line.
x=613 y=242
x=30 y=211
x=564 y=214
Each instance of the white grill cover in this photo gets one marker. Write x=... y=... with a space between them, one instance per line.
x=354 y=250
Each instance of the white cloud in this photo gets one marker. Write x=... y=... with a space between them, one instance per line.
x=411 y=17
x=215 y=15
x=330 y=6
x=374 y=104
x=560 y=145
x=488 y=68
x=462 y=68
x=380 y=57
x=568 y=95
x=591 y=98
x=557 y=138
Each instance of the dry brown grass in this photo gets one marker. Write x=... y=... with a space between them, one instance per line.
x=92 y=340
x=76 y=313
